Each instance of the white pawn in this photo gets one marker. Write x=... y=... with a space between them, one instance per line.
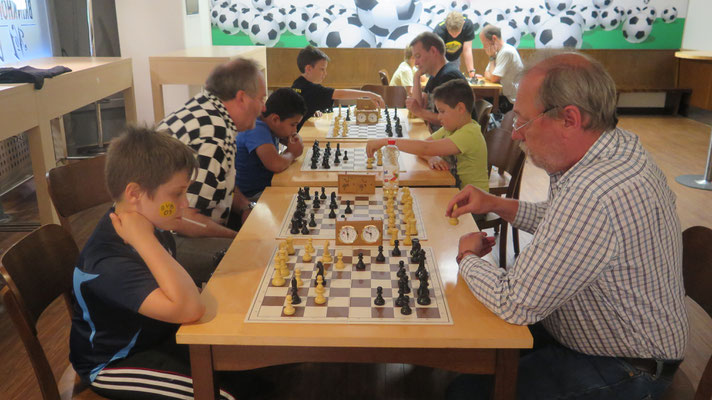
x=290 y=246
x=339 y=261
x=298 y=277
x=289 y=308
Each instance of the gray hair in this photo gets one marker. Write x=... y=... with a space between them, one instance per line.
x=491 y=30
x=229 y=78
x=572 y=78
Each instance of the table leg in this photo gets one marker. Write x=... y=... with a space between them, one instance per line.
x=130 y=105
x=700 y=181
x=42 y=155
x=201 y=367
x=157 y=96
x=505 y=376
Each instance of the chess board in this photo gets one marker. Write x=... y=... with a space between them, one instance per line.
x=350 y=293
x=363 y=206
x=356 y=161
x=366 y=131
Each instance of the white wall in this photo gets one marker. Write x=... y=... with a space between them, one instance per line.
x=697 y=26
x=148 y=28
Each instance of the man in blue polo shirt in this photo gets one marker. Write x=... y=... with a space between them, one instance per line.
x=258 y=156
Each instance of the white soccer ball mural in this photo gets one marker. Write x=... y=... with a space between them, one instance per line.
x=393 y=23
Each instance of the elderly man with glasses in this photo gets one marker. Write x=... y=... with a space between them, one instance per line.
x=601 y=282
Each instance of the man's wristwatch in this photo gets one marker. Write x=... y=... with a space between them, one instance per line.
x=463 y=254
x=249 y=206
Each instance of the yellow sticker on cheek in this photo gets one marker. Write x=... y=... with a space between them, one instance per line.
x=167 y=209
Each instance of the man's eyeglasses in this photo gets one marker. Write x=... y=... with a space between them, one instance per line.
x=515 y=121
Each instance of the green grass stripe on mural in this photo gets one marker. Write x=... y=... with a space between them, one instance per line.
x=287 y=39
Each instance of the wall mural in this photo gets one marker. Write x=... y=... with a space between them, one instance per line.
x=587 y=24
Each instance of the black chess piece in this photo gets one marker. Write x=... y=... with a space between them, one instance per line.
x=346 y=155
x=313 y=165
x=405 y=308
x=323 y=193
x=380 y=257
x=360 y=265
x=399 y=131
x=306 y=193
x=320 y=271
x=312 y=222
x=332 y=214
x=401 y=269
x=295 y=227
x=379 y=301
x=325 y=162
x=421 y=269
x=333 y=196
x=338 y=149
x=423 y=292
x=295 y=296
x=333 y=205
x=305 y=230
x=348 y=113
x=300 y=195
x=396 y=251
x=336 y=159
x=405 y=281
x=348 y=209
x=401 y=298
x=316 y=204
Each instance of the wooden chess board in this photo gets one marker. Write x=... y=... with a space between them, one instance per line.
x=363 y=206
x=350 y=293
x=365 y=132
x=356 y=162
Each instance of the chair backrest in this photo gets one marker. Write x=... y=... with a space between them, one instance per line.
x=394 y=96
x=481 y=112
x=383 y=76
x=77 y=187
x=505 y=154
x=37 y=270
x=697 y=274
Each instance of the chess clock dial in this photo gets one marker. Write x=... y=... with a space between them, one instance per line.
x=372 y=117
x=370 y=234
x=348 y=234
x=361 y=117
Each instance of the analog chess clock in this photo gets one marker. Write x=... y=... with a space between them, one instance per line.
x=359 y=232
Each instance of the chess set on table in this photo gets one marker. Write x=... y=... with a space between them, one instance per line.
x=319 y=159
x=315 y=221
x=355 y=285
x=344 y=127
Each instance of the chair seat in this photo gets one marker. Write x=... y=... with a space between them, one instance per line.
x=72 y=387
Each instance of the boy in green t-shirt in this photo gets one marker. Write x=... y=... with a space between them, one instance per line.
x=459 y=141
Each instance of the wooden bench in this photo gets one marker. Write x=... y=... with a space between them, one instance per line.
x=677 y=101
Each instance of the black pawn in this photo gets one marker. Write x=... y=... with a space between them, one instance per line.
x=346 y=155
x=332 y=214
x=312 y=222
x=305 y=230
x=401 y=298
x=338 y=149
x=405 y=308
x=379 y=301
x=295 y=296
x=380 y=257
x=323 y=193
x=396 y=251
x=404 y=280
x=313 y=165
x=306 y=193
x=360 y=265
x=316 y=203
x=401 y=269
x=348 y=207
x=336 y=159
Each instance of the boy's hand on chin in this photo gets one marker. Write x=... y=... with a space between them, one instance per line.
x=132 y=227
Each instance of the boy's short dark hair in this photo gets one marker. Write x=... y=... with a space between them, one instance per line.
x=310 y=55
x=286 y=103
x=455 y=91
x=146 y=157
x=428 y=40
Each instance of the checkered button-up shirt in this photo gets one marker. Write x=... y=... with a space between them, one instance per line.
x=204 y=125
x=604 y=269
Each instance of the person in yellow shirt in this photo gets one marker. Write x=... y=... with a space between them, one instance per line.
x=404 y=74
x=458 y=146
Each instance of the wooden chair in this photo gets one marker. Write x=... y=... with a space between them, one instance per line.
x=697 y=273
x=481 y=113
x=394 y=96
x=383 y=76
x=77 y=190
x=504 y=154
x=38 y=269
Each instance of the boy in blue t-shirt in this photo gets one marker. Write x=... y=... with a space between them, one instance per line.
x=130 y=293
x=257 y=157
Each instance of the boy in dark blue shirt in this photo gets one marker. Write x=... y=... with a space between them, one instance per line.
x=312 y=64
x=130 y=293
x=257 y=157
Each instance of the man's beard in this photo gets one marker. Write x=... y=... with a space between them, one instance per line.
x=536 y=160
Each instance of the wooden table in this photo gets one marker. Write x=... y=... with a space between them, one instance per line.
x=477 y=342
x=192 y=67
x=22 y=108
x=416 y=171
x=488 y=89
x=694 y=71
